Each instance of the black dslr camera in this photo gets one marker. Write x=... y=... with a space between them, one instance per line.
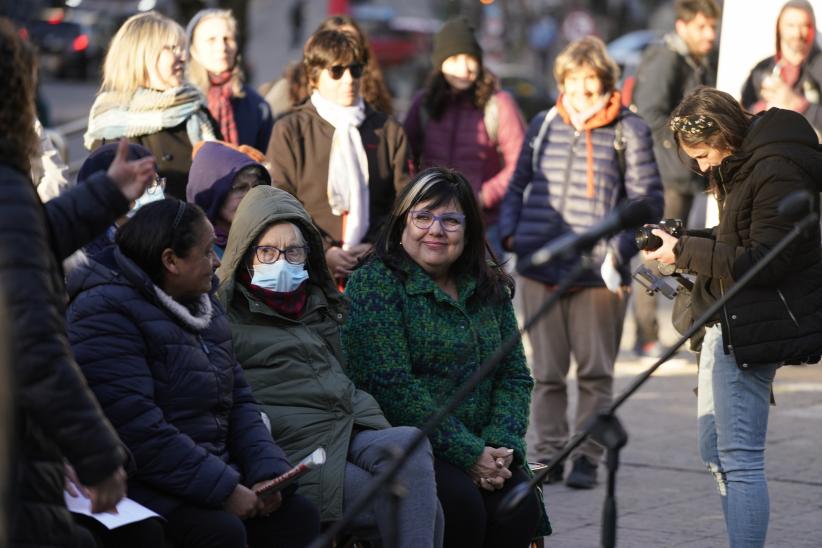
x=646 y=241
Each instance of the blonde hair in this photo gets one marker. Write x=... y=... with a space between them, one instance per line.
x=589 y=51
x=137 y=44
x=196 y=73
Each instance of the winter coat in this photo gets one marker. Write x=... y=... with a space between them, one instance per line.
x=186 y=413
x=666 y=74
x=56 y=415
x=295 y=366
x=556 y=200
x=460 y=140
x=299 y=151
x=412 y=346
x=778 y=316
x=253 y=118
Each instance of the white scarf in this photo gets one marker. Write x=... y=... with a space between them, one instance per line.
x=347 y=167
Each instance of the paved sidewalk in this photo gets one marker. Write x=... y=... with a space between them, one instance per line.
x=665 y=498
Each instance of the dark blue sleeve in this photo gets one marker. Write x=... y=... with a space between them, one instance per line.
x=511 y=206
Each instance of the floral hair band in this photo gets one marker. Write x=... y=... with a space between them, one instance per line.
x=692 y=125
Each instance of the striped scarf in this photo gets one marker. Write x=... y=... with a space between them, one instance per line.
x=149 y=111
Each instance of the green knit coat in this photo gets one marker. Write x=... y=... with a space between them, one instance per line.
x=411 y=346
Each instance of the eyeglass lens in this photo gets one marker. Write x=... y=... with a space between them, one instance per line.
x=337 y=71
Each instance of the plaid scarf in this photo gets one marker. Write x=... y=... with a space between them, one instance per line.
x=291 y=304
x=219 y=105
x=148 y=111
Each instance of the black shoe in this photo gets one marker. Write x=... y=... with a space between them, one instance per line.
x=556 y=473
x=583 y=474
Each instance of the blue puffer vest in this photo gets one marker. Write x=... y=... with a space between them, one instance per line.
x=166 y=376
x=544 y=205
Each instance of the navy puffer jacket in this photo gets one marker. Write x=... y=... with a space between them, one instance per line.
x=166 y=377
x=544 y=205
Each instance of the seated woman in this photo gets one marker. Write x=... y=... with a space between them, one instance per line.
x=286 y=314
x=145 y=98
x=426 y=311
x=221 y=174
x=155 y=348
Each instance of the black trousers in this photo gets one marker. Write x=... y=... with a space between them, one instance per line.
x=294 y=525
x=471 y=513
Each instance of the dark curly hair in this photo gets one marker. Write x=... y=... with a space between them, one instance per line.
x=438 y=91
x=441 y=186
x=18 y=140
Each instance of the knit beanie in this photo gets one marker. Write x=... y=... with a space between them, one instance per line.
x=456 y=36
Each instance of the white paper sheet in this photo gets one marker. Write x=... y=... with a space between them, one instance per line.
x=128 y=511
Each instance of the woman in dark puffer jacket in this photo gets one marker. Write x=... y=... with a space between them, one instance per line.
x=753 y=163
x=156 y=350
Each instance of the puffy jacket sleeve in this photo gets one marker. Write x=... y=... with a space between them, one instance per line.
x=250 y=443
x=512 y=202
x=379 y=361
x=112 y=352
x=641 y=181
x=716 y=259
x=510 y=135
x=512 y=394
x=51 y=390
x=84 y=212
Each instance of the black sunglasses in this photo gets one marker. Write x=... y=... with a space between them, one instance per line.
x=337 y=71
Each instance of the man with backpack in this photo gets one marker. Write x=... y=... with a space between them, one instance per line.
x=669 y=70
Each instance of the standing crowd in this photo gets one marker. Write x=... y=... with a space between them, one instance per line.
x=237 y=279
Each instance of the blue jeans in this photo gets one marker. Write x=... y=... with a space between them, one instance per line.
x=733 y=422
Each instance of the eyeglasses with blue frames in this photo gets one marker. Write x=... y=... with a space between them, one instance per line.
x=268 y=254
x=450 y=221
x=337 y=71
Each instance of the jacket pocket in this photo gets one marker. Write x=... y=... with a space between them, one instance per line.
x=787 y=308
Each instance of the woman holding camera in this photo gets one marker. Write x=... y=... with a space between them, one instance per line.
x=753 y=162
x=580 y=160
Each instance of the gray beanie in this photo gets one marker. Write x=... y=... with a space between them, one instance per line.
x=456 y=36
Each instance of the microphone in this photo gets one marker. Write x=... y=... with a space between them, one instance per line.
x=629 y=214
x=795 y=205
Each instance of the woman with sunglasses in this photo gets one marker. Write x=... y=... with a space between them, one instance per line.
x=341 y=158
x=145 y=98
x=286 y=314
x=426 y=310
x=752 y=163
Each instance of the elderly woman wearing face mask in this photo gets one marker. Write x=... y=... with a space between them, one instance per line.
x=341 y=158
x=580 y=160
x=144 y=98
x=286 y=314
x=213 y=66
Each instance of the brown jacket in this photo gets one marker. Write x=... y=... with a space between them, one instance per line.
x=299 y=151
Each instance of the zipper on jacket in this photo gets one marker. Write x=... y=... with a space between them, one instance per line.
x=727 y=320
x=203 y=345
x=788 y=308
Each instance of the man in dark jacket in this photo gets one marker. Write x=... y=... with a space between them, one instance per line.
x=685 y=59
x=792 y=77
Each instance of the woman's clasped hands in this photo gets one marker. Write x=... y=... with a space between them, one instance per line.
x=492 y=468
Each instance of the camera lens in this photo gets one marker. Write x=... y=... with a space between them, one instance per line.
x=645 y=240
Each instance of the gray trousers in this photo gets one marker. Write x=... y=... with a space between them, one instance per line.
x=585 y=324
x=419 y=519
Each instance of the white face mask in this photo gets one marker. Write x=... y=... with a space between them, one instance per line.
x=280 y=277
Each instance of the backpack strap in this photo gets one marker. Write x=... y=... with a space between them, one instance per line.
x=536 y=142
x=619 y=146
